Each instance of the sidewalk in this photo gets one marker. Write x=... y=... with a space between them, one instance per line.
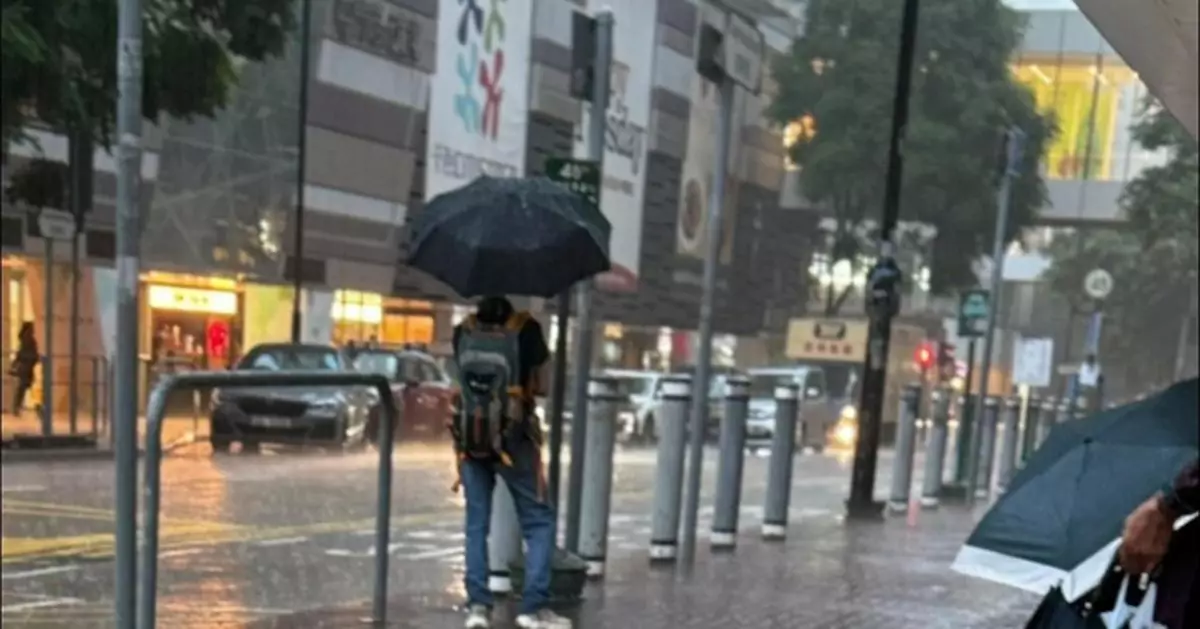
x=829 y=575
x=175 y=430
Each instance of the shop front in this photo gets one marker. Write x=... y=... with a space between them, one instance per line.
x=192 y=322
x=371 y=318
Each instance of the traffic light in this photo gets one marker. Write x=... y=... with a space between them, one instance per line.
x=710 y=62
x=947 y=363
x=924 y=356
x=583 y=55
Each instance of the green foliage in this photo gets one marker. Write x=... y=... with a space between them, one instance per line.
x=60 y=58
x=1153 y=257
x=842 y=74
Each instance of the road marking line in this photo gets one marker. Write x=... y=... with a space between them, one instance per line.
x=21 y=488
x=53 y=602
x=433 y=554
x=284 y=541
x=40 y=572
x=179 y=553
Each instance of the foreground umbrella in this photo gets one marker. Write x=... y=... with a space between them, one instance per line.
x=497 y=236
x=1059 y=518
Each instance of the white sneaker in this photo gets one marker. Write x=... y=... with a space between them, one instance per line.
x=544 y=619
x=478 y=617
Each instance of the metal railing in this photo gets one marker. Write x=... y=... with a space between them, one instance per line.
x=90 y=396
x=147 y=592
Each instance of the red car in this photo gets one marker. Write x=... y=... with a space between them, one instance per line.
x=423 y=391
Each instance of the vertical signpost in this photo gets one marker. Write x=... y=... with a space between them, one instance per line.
x=973 y=307
x=583 y=178
x=730 y=56
x=1098 y=285
x=592 y=58
x=55 y=225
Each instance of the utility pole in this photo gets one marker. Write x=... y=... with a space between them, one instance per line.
x=80 y=173
x=728 y=58
x=584 y=332
x=125 y=364
x=883 y=291
x=301 y=165
x=1015 y=149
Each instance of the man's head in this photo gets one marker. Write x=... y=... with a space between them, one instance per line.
x=493 y=310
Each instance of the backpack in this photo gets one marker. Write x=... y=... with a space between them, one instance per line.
x=492 y=395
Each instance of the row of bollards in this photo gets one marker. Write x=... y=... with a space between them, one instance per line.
x=1011 y=428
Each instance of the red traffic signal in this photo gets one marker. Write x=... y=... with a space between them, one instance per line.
x=924 y=356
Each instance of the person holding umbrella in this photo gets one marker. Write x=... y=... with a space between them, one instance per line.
x=1150 y=541
x=508 y=236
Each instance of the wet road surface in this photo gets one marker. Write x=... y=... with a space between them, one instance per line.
x=285 y=540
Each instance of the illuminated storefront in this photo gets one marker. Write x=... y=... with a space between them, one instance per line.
x=1091 y=101
x=192 y=322
x=362 y=317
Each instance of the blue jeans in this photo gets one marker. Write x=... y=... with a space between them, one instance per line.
x=535 y=515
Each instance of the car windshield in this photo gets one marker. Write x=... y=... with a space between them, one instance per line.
x=281 y=357
x=385 y=364
x=763 y=385
x=635 y=385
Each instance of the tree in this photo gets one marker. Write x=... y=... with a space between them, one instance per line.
x=60 y=61
x=1152 y=257
x=838 y=82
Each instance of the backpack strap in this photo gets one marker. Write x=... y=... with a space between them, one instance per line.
x=517 y=321
x=469 y=323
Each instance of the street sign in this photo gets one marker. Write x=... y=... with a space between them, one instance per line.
x=1098 y=284
x=973 y=308
x=56 y=224
x=579 y=175
x=1033 y=361
x=743 y=48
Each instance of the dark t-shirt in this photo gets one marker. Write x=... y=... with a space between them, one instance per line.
x=531 y=345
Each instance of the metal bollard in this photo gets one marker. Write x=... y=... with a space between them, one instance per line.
x=95 y=398
x=597 y=473
x=733 y=456
x=989 y=424
x=668 y=473
x=1080 y=410
x=1032 y=429
x=504 y=540
x=1045 y=420
x=906 y=445
x=935 y=449
x=1008 y=449
x=962 y=445
x=779 y=480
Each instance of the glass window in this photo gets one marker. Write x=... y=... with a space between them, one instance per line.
x=814 y=385
x=635 y=386
x=763 y=385
x=385 y=364
x=278 y=357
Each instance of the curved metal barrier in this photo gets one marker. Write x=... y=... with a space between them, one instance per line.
x=147 y=595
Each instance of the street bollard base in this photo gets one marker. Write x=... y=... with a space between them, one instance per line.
x=723 y=540
x=500 y=583
x=774 y=532
x=595 y=567
x=953 y=493
x=897 y=506
x=869 y=512
x=567 y=578
x=930 y=503
x=663 y=551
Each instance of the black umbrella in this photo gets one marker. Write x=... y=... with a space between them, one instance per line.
x=498 y=236
x=1063 y=512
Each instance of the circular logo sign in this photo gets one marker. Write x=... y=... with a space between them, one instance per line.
x=691 y=215
x=1098 y=284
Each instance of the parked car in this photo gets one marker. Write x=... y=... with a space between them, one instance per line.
x=422 y=390
x=818 y=415
x=319 y=415
x=637 y=416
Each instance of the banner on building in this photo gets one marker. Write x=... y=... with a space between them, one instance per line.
x=626 y=141
x=479 y=93
x=699 y=163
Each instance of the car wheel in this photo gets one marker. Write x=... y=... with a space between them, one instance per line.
x=649 y=435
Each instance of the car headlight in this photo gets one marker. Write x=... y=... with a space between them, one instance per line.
x=850 y=412
x=845 y=433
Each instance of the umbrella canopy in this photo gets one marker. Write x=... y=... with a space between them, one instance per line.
x=498 y=236
x=1063 y=511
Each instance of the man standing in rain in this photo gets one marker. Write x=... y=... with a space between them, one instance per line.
x=498 y=353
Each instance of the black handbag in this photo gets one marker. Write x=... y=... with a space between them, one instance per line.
x=1056 y=613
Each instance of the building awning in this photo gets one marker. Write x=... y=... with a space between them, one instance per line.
x=1158 y=39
